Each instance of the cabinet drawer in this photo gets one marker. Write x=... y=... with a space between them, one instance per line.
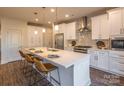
x=118 y=59
x=117 y=65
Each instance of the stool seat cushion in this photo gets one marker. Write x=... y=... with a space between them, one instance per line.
x=49 y=66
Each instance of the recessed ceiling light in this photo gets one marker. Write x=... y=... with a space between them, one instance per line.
x=49 y=22
x=66 y=15
x=35 y=32
x=36 y=19
x=44 y=30
x=52 y=10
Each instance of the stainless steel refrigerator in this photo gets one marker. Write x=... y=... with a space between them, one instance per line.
x=59 y=41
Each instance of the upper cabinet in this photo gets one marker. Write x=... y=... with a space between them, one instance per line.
x=71 y=30
x=116 y=21
x=100 y=28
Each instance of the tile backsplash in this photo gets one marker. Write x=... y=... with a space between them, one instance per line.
x=85 y=38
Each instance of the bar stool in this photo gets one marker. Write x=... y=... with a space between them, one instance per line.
x=29 y=73
x=45 y=68
x=22 y=54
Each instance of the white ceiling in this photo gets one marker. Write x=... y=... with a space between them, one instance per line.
x=27 y=14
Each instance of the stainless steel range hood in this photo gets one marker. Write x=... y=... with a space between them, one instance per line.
x=84 y=23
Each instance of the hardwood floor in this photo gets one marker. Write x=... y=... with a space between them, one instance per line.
x=11 y=74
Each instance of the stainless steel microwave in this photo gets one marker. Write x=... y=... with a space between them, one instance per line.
x=117 y=43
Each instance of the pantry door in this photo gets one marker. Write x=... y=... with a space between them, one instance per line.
x=13 y=44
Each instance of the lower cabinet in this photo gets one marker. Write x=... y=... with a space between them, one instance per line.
x=110 y=61
x=100 y=60
x=116 y=65
x=103 y=62
x=94 y=58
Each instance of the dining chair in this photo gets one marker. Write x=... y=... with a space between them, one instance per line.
x=45 y=69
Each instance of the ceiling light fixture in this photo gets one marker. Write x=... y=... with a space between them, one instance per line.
x=66 y=15
x=36 y=19
x=43 y=30
x=35 y=32
x=52 y=10
x=49 y=22
x=56 y=26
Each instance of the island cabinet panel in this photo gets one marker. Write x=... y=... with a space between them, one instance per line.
x=82 y=73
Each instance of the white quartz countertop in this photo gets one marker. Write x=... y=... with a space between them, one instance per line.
x=66 y=58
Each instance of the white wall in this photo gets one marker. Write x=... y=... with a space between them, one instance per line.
x=48 y=38
x=25 y=32
x=35 y=36
x=6 y=24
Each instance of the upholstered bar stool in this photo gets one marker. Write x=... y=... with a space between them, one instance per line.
x=29 y=68
x=46 y=68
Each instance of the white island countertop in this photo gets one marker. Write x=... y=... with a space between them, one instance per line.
x=66 y=58
x=73 y=67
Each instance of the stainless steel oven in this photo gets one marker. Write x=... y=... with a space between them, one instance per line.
x=117 y=43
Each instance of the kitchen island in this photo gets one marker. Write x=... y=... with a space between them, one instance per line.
x=73 y=66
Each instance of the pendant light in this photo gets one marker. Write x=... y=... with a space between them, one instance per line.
x=56 y=26
x=44 y=29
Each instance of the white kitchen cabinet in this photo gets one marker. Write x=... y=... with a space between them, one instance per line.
x=100 y=59
x=95 y=28
x=62 y=28
x=116 y=64
x=100 y=28
x=94 y=58
x=103 y=62
x=70 y=31
x=116 y=21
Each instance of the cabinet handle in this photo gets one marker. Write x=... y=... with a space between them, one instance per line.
x=96 y=57
x=121 y=30
x=121 y=62
x=121 y=70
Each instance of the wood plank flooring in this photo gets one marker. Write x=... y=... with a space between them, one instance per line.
x=11 y=74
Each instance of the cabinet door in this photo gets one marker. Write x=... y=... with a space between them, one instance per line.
x=13 y=42
x=103 y=60
x=95 y=28
x=71 y=31
x=94 y=59
x=122 y=32
x=104 y=27
x=115 y=22
x=61 y=28
x=117 y=65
